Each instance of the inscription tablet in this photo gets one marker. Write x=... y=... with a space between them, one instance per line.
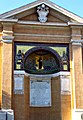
x=40 y=93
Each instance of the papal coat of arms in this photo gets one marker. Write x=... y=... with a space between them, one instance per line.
x=42 y=11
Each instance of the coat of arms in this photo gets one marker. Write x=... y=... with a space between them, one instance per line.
x=42 y=11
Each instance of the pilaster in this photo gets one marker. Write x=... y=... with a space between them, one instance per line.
x=1 y=74
x=76 y=65
x=76 y=32
x=7 y=65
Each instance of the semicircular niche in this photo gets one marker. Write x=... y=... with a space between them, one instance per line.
x=41 y=61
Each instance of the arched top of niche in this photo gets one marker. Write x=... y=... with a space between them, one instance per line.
x=42 y=60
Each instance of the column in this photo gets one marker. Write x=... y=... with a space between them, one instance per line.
x=7 y=65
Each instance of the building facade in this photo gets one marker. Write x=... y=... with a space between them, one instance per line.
x=41 y=62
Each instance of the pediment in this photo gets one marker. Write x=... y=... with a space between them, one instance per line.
x=53 y=16
x=29 y=13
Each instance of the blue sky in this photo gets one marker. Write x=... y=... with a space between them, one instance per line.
x=75 y=6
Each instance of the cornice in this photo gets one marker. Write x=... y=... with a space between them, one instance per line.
x=43 y=24
x=12 y=21
x=74 y=24
x=7 y=21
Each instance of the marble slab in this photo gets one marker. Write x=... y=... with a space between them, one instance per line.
x=18 y=84
x=2 y=115
x=40 y=93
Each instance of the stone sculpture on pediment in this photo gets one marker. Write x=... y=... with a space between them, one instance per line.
x=42 y=11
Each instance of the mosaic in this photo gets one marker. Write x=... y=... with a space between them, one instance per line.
x=41 y=61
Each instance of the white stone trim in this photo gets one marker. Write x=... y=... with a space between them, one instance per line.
x=19 y=72
x=44 y=24
x=8 y=37
x=78 y=25
x=48 y=75
x=77 y=44
x=78 y=110
x=9 y=20
x=7 y=32
x=76 y=41
x=7 y=41
x=63 y=73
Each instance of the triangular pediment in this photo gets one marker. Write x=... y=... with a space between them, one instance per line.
x=53 y=16
x=29 y=13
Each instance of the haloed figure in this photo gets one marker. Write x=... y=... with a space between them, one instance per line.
x=40 y=63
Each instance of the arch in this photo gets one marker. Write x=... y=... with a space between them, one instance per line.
x=48 y=50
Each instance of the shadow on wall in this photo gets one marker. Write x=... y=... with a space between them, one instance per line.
x=6 y=100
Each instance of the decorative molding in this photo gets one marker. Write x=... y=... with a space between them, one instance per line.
x=7 y=39
x=75 y=35
x=42 y=35
x=20 y=72
x=75 y=24
x=76 y=42
x=7 y=32
x=9 y=20
x=59 y=16
x=62 y=73
x=44 y=24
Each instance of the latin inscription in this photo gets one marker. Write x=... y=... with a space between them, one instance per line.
x=40 y=93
